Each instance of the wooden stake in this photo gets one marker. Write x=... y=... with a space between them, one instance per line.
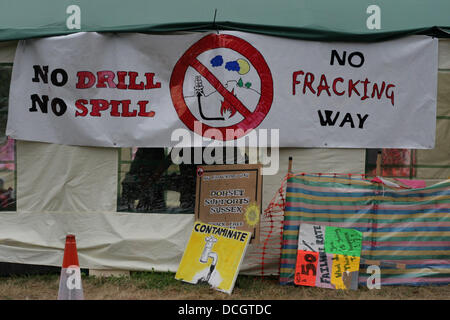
x=290 y=165
x=378 y=170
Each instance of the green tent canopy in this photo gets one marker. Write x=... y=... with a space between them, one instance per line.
x=330 y=20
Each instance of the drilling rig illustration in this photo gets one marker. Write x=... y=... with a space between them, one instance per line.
x=198 y=88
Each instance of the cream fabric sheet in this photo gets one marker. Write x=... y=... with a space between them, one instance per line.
x=66 y=189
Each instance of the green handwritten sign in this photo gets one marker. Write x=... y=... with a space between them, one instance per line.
x=343 y=241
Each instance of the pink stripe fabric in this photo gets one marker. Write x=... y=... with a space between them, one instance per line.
x=382 y=225
x=406 y=244
x=355 y=189
x=368 y=207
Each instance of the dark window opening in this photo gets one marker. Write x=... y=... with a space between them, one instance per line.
x=149 y=182
x=7 y=146
x=394 y=163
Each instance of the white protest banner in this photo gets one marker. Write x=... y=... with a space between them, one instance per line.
x=121 y=90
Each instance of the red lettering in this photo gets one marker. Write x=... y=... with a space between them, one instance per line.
x=115 y=108
x=82 y=77
x=323 y=85
x=375 y=90
x=105 y=76
x=97 y=106
x=391 y=95
x=351 y=87
x=119 y=108
x=334 y=86
x=295 y=81
x=309 y=79
x=132 y=85
x=366 y=82
x=126 y=109
x=80 y=104
x=150 y=81
x=142 y=112
x=121 y=79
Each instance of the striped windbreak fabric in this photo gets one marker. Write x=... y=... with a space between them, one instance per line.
x=407 y=226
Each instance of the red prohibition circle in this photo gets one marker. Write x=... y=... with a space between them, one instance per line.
x=189 y=59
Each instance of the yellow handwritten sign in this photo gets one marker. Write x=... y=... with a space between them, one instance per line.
x=213 y=255
x=344 y=271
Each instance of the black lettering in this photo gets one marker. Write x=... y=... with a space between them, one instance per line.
x=328 y=121
x=54 y=77
x=362 y=120
x=40 y=72
x=62 y=106
x=347 y=118
x=36 y=100
x=335 y=54
x=308 y=267
x=310 y=258
x=361 y=59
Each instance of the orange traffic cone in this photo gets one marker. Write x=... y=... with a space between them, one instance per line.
x=70 y=287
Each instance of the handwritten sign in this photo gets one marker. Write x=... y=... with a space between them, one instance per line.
x=343 y=241
x=213 y=255
x=328 y=257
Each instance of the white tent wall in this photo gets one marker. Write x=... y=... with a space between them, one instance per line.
x=67 y=189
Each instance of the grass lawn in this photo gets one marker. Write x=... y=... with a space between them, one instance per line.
x=162 y=285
